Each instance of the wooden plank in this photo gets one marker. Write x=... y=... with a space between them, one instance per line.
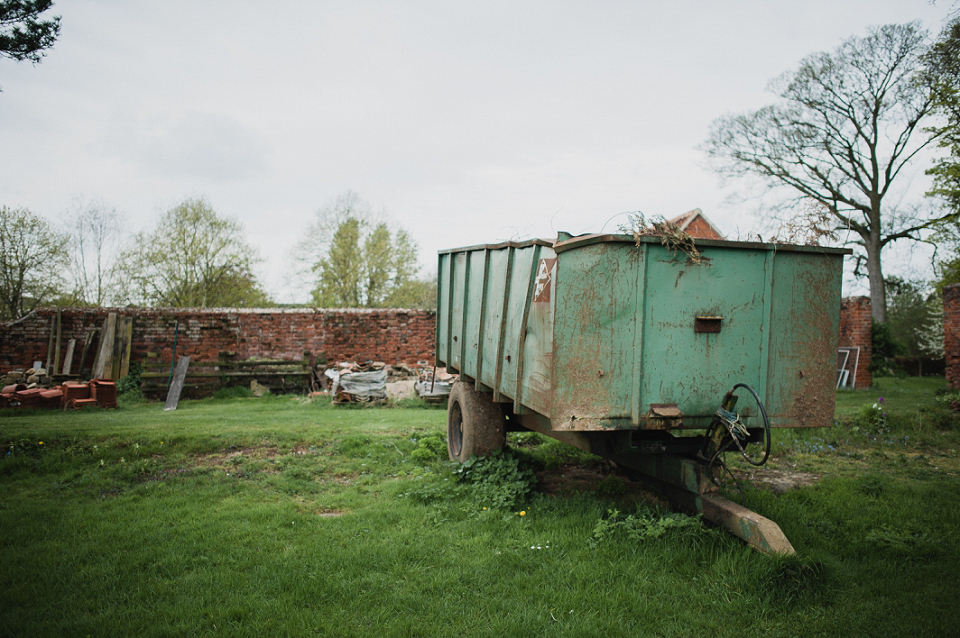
x=173 y=394
x=48 y=361
x=106 y=348
x=91 y=335
x=127 y=346
x=118 y=347
x=96 y=372
x=56 y=355
x=68 y=357
x=103 y=365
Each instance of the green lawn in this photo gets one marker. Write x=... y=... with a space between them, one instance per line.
x=281 y=516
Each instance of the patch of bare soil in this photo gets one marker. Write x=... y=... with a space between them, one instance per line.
x=605 y=481
x=570 y=479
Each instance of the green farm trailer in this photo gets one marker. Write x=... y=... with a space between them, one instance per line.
x=655 y=358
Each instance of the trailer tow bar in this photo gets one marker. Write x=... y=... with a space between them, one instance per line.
x=691 y=482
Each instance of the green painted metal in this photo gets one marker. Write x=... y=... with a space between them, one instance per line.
x=600 y=341
x=591 y=332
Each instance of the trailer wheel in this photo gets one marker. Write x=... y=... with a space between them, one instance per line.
x=475 y=424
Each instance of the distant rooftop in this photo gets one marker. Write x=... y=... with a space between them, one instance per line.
x=696 y=224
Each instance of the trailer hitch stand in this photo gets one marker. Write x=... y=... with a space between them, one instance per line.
x=685 y=482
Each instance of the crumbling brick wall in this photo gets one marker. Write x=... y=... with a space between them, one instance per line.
x=951 y=333
x=388 y=335
x=855 y=323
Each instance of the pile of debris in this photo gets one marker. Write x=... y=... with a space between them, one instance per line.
x=358 y=382
x=32 y=378
x=69 y=396
x=434 y=384
x=376 y=381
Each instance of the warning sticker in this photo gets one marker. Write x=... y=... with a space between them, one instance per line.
x=541 y=288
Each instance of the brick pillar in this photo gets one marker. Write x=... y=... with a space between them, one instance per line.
x=855 y=324
x=951 y=333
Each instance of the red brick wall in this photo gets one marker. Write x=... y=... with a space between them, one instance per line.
x=387 y=335
x=855 y=324
x=951 y=333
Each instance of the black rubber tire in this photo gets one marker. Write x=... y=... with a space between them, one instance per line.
x=475 y=424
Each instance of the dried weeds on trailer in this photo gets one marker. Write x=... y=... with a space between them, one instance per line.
x=811 y=225
x=671 y=235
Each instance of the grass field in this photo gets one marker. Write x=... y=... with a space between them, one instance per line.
x=282 y=516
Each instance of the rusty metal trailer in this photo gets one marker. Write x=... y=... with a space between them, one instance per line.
x=621 y=346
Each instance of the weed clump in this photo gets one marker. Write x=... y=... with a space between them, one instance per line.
x=645 y=525
x=872 y=418
x=946 y=416
x=430 y=449
x=611 y=486
x=128 y=388
x=499 y=481
x=233 y=392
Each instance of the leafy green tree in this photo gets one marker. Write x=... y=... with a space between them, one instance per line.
x=946 y=260
x=914 y=322
x=341 y=271
x=193 y=259
x=378 y=263
x=847 y=126
x=910 y=312
x=357 y=261
x=33 y=257
x=416 y=293
x=943 y=78
x=23 y=35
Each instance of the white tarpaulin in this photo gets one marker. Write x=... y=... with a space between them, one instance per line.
x=363 y=385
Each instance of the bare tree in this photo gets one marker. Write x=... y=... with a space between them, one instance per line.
x=97 y=237
x=848 y=124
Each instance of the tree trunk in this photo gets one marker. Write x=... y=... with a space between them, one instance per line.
x=878 y=293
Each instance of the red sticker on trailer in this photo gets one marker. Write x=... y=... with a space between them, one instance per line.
x=541 y=288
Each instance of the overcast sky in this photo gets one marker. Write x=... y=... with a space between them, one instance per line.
x=465 y=122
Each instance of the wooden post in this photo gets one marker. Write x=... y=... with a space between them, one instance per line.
x=126 y=347
x=56 y=355
x=48 y=360
x=118 y=347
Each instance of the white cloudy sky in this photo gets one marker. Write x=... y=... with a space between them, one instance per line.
x=466 y=122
